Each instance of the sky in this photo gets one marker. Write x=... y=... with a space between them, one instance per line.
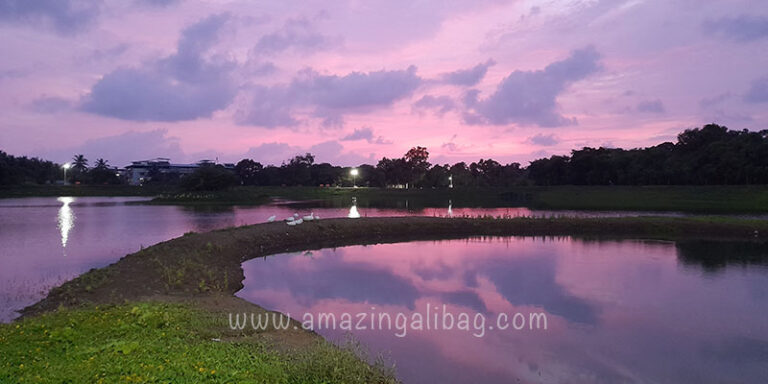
x=351 y=81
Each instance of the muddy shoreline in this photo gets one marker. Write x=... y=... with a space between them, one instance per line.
x=199 y=265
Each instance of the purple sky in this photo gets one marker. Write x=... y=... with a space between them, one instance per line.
x=352 y=80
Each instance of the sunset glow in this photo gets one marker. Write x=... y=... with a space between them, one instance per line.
x=352 y=81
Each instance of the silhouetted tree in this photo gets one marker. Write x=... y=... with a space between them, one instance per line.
x=101 y=173
x=209 y=178
x=248 y=171
x=79 y=163
x=297 y=170
x=21 y=170
x=462 y=176
x=416 y=164
x=712 y=154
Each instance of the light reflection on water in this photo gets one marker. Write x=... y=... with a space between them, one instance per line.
x=93 y=232
x=66 y=219
x=618 y=311
x=353 y=213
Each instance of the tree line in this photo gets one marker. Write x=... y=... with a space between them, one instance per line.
x=413 y=170
x=19 y=170
x=709 y=155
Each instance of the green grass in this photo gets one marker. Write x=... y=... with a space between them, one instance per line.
x=161 y=343
x=694 y=199
x=699 y=199
x=82 y=190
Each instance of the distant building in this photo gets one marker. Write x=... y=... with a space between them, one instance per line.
x=139 y=171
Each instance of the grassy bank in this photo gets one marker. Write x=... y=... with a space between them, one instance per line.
x=195 y=265
x=233 y=196
x=694 y=199
x=164 y=343
x=83 y=190
x=698 y=199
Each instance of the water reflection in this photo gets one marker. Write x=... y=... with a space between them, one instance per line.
x=353 y=213
x=108 y=228
x=617 y=311
x=715 y=256
x=65 y=219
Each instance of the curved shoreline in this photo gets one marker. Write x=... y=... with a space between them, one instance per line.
x=199 y=265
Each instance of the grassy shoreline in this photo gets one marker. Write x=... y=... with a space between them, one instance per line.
x=691 y=199
x=199 y=264
x=83 y=191
x=171 y=342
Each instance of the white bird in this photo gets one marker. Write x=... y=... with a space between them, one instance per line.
x=291 y=223
x=290 y=218
x=299 y=221
x=310 y=217
x=317 y=217
x=271 y=219
x=295 y=215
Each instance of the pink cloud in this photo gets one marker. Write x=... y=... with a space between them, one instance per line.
x=225 y=77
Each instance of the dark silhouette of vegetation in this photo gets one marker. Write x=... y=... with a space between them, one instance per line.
x=209 y=177
x=411 y=170
x=102 y=173
x=79 y=163
x=711 y=155
x=23 y=170
x=715 y=256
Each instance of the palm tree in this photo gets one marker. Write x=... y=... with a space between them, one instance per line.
x=79 y=163
x=101 y=164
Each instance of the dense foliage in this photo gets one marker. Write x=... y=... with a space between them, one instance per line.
x=411 y=170
x=712 y=155
x=707 y=156
x=21 y=170
x=209 y=178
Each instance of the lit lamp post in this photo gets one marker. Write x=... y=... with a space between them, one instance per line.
x=354 y=173
x=66 y=166
x=450 y=181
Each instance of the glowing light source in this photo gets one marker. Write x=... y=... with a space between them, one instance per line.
x=354 y=172
x=66 y=166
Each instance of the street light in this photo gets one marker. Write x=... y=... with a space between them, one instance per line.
x=354 y=173
x=66 y=166
x=450 y=181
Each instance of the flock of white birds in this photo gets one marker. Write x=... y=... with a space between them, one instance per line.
x=295 y=219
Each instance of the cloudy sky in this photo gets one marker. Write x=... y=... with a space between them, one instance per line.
x=354 y=80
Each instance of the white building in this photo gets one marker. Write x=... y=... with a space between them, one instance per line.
x=139 y=171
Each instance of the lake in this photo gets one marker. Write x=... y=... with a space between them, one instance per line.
x=616 y=311
x=46 y=241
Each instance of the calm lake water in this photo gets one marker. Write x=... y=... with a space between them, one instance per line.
x=46 y=241
x=616 y=311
